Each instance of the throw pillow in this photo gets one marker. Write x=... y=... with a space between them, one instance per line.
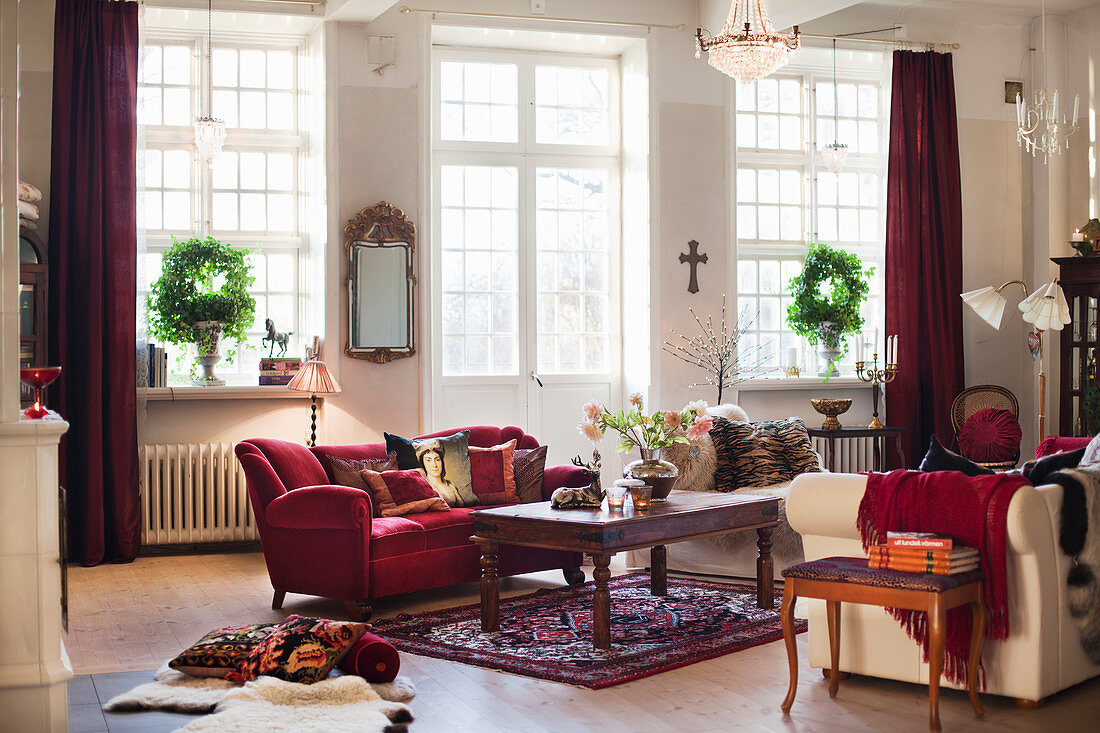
x=763 y=453
x=939 y=458
x=990 y=436
x=528 y=467
x=345 y=471
x=403 y=447
x=1092 y=451
x=397 y=493
x=372 y=658
x=301 y=649
x=446 y=463
x=493 y=475
x=1038 y=471
x=221 y=651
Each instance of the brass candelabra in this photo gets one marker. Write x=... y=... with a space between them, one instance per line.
x=876 y=376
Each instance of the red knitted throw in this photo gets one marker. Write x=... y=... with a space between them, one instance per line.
x=974 y=511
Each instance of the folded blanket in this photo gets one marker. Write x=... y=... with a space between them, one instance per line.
x=28 y=210
x=973 y=510
x=28 y=224
x=27 y=192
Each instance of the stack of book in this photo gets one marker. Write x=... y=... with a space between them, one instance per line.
x=158 y=366
x=922 y=552
x=279 y=370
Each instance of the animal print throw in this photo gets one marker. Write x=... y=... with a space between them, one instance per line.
x=1080 y=514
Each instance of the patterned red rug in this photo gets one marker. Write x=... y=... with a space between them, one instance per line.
x=548 y=634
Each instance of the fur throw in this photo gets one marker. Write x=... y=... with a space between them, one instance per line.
x=728 y=411
x=696 y=462
x=1080 y=513
x=345 y=703
x=786 y=543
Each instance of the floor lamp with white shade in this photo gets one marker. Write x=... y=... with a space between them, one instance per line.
x=1045 y=308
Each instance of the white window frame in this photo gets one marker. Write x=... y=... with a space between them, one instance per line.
x=526 y=155
x=307 y=317
x=809 y=160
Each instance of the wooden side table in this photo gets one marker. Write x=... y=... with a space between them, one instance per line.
x=849 y=433
x=839 y=580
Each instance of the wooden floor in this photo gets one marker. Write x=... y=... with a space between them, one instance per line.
x=133 y=617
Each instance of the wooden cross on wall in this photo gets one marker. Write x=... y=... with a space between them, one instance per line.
x=693 y=258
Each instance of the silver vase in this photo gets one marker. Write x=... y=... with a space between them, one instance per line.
x=661 y=475
x=208 y=353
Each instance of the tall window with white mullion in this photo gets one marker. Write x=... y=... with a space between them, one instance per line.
x=250 y=197
x=556 y=120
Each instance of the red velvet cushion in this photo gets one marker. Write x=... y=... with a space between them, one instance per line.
x=397 y=493
x=990 y=436
x=372 y=658
x=406 y=486
x=1060 y=444
x=493 y=475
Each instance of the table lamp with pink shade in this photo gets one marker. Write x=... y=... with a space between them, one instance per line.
x=314 y=378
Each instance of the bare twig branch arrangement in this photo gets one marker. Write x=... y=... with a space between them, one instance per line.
x=716 y=351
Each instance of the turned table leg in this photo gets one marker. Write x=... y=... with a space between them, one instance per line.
x=658 y=571
x=601 y=611
x=765 y=583
x=490 y=592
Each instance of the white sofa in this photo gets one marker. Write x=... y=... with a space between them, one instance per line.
x=1042 y=654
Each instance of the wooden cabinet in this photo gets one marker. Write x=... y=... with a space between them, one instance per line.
x=32 y=304
x=1079 y=403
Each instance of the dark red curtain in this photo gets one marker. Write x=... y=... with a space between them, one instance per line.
x=924 y=250
x=93 y=264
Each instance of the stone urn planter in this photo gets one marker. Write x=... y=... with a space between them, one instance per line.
x=829 y=348
x=208 y=352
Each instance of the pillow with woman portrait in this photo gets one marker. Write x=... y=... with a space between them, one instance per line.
x=446 y=464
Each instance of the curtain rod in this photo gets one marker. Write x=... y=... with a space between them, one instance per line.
x=405 y=9
x=930 y=45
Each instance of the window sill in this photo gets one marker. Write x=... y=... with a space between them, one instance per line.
x=228 y=392
x=790 y=383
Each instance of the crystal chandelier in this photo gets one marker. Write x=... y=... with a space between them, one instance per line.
x=209 y=130
x=835 y=154
x=1042 y=127
x=748 y=49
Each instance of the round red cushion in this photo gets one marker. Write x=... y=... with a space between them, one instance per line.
x=990 y=436
x=372 y=658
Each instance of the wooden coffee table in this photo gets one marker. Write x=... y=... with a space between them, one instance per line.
x=600 y=533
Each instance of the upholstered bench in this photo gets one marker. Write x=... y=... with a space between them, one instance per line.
x=849 y=579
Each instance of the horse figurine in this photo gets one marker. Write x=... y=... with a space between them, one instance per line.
x=588 y=497
x=282 y=339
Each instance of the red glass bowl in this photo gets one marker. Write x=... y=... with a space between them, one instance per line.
x=38 y=378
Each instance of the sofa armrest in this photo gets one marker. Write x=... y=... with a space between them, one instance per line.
x=321 y=507
x=556 y=477
x=826 y=504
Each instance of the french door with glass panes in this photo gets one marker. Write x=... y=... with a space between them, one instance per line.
x=525 y=242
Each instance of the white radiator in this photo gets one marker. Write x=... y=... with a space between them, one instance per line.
x=852 y=454
x=193 y=493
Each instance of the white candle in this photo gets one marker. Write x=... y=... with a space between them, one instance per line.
x=1077 y=236
x=1019 y=109
x=874 y=344
x=859 y=347
x=792 y=356
x=895 y=359
x=1076 y=101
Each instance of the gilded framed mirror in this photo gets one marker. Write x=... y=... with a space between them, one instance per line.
x=380 y=242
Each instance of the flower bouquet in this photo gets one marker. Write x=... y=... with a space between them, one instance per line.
x=647 y=433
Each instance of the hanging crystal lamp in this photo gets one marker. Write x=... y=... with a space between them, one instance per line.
x=1043 y=127
x=748 y=49
x=209 y=130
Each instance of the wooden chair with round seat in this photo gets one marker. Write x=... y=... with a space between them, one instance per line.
x=983 y=396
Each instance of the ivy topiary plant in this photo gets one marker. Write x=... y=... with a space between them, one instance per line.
x=202 y=281
x=827 y=296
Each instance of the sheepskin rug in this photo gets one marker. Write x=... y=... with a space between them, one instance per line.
x=729 y=411
x=695 y=461
x=345 y=703
x=786 y=543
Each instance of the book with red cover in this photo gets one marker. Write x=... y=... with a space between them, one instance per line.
x=920 y=540
x=957 y=554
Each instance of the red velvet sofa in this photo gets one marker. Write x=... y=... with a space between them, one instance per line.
x=320 y=539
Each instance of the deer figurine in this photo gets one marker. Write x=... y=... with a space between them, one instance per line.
x=588 y=497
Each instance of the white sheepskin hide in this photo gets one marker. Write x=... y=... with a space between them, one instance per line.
x=786 y=543
x=271 y=702
x=728 y=411
x=335 y=705
x=695 y=461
